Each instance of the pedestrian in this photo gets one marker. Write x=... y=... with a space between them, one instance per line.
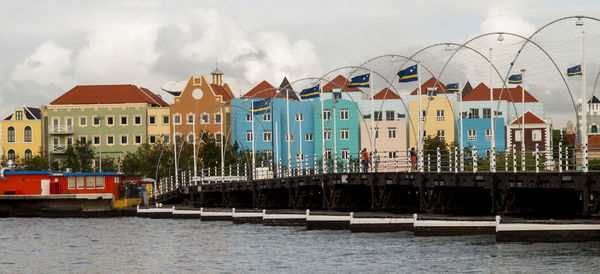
x=365 y=160
x=376 y=159
x=413 y=159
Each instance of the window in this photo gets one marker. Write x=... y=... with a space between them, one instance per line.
x=11 y=155
x=82 y=121
x=69 y=141
x=83 y=139
x=217 y=118
x=472 y=135
x=424 y=115
x=178 y=138
x=289 y=137
x=594 y=129
x=19 y=115
x=80 y=182
x=28 y=155
x=205 y=118
x=137 y=139
x=345 y=134
x=269 y=154
x=99 y=181
x=249 y=136
x=96 y=140
x=55 y=125
x=190 y=138
x=10 y=135
x=110 y=140
x=90 y=181
x=488 y=134
x=152 y=120
x=123 y=120
x=96 y=121
x=166 y=139
x=267 y=117
x=378 y=116
x=487 y=113
x=299 y=117
x=327 y=134
x=392 y=132
x=424 y=135
x=389 y=115
x=441 y=133
x=518 y=135
x=326 y=114
x=392 y=154
x=474 y=113
x=166 y=119
x=345 y=154
x=27 y=134
x=249 y=117
x=190 y=119
x=376 y=133
x=137 y=120
x=440 y=115
x=344 y=114
x=71 y=182
x=218 y=138
x=536 y=135
x=69 y=122
x=309 y=137
x=110 y=120
x=177 y=119
x=152 y=139
x=328 y=154
x=124 y=140
x=267 y=136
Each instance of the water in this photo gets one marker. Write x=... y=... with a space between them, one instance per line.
x=33 y=245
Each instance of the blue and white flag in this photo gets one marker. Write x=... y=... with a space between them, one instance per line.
x=310 y=92
x=576 y=70
x=408 y=74
x=361 y=81
x=261 y=106
x=515 y=79
x=452 y=87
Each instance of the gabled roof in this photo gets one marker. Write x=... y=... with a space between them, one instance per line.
x=594 y=100
x=430 y=84
x=220 y=90
x=467 y=89
x=108 y=94
x=386 y=93
x=530 y=118
x=337 y=83
x=285 y=87
x=594 y=141
x=263 y=90
x=482 y=93
x=31 y=113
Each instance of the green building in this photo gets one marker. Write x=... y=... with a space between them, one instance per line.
x=113 y=117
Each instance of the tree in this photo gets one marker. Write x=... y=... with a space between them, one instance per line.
x=79 y=157
x=38 y=162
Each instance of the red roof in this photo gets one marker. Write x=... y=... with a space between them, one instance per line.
x=263 y=90
x=482 y=93
x=594 y=141
x=339 y=82
x=108 y=94
x=530 y=118
x=386 y=93
x=220 y=90
x=430 y=84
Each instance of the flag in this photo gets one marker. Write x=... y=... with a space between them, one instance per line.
x=310 y=92
x=452 y=87
x=576 y=70
x=361 y=81
x=408 y=74
x=515 y=79
x=261 y=106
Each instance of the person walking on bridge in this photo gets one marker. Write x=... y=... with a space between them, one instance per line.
x=365 y=160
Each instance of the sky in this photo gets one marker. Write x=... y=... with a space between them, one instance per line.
x=48 y=47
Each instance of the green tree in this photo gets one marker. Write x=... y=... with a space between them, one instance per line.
x=79 y=157
x=37 y=162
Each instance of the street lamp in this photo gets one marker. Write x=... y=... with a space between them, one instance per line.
x=579 y=22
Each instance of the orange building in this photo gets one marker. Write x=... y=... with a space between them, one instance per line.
x=206 y=105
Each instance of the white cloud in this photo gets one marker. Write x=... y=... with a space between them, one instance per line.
x=47 y=65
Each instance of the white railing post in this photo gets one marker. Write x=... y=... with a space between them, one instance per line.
x=438 y=160
x=505 y=159
x=428 y=162
x=455 y=159
x=474 y=155
x=537 y=158
x=567 y=158
x=396 y=161
x=559 y=157
x=514 y=156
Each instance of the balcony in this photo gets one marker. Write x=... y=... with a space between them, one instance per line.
x=57 y=149
x=60 y=129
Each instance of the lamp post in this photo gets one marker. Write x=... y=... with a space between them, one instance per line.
x=584 y=104
x=100 y=118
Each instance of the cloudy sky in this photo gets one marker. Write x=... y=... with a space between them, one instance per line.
x=50 y=46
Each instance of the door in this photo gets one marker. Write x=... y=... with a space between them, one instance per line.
x=45 y=187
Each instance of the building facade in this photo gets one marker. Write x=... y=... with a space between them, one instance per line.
x=537 y=132
x=22 y=134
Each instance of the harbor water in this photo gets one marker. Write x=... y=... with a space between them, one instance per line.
x=33 y=245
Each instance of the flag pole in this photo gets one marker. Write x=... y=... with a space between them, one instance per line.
x=493 y=140
x=300 y=140
x=194 y=147
x=335 y=137
x=372 y=123
x=523 y=120
x=175 y=150
x=584 y=104
x=253 y=140
x=288 y=137
x=462 y=150
x=223 y=147
x=322 y=133
x=420 y=135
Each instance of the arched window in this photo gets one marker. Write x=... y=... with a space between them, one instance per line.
x=28 y=154
x=27 y=134
x=10 y=135
x=594 y=129
x=11 y=155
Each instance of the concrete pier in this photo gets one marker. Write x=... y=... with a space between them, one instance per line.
x=247 y=216
x=435 y=225
x=156 y=212
x=332 y=220
x=520 y=230
x=285 y=218
x=380 y=222
x=216 y=214
x=187 y=213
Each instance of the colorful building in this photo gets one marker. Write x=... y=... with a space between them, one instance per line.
x=114 y=118
x=537 y=132
x=22 y=134
x=207 y=106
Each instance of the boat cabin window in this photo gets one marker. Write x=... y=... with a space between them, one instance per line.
x=80 y=182
x=99 y=181
x=90 y=181
x=71 y=182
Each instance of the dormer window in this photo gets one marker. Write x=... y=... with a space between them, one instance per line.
x=19 y=115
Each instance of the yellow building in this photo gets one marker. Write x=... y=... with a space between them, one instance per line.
x=437 y=107
x=22 y=134
x=159 y=124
